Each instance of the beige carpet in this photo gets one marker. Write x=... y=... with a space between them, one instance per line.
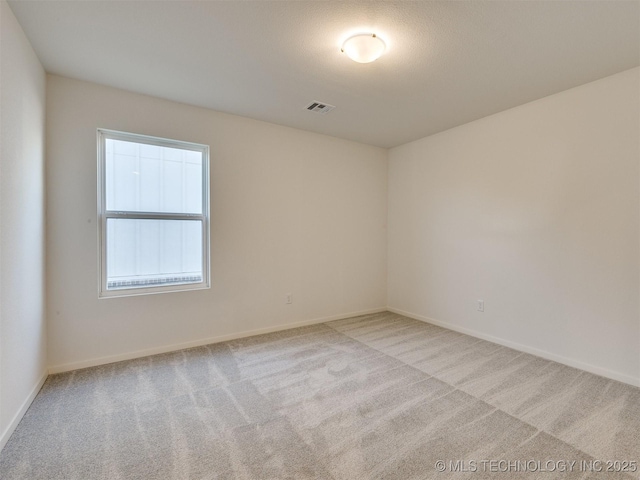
x=379 y=396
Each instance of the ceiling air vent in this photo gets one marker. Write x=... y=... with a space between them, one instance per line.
x=321 y=108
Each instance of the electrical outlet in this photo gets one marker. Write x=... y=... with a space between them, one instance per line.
x=481 y=305
x=289 y=299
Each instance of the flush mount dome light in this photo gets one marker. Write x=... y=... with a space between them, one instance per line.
x=364 y=47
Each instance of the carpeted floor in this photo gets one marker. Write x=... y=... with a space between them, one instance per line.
x=379 y=396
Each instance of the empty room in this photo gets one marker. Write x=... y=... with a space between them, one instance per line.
x=342 y=240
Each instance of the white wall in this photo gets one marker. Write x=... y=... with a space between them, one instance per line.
x=535 y=210
x=22 y=325
x=291 y=211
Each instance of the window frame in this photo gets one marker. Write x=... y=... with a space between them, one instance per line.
x=103 y=214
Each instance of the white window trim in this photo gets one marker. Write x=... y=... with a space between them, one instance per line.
x=103 y=215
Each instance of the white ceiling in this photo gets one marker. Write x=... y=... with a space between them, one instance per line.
x=447 y=63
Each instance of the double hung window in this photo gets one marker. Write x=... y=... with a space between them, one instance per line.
x=153 y=207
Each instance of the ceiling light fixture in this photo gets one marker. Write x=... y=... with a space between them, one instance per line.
x=364 y=47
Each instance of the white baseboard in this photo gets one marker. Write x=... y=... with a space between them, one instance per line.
x=66 y=367
x=621 y=377
x=603 y=372
x=4 y=437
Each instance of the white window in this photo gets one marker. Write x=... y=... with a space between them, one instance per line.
x=153 y=208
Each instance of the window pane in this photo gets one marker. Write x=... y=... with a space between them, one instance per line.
x=151 y=178
x=147 y=253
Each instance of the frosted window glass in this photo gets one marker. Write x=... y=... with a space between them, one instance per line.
x=154 y=233
x=143 y=253
x=151 y=178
